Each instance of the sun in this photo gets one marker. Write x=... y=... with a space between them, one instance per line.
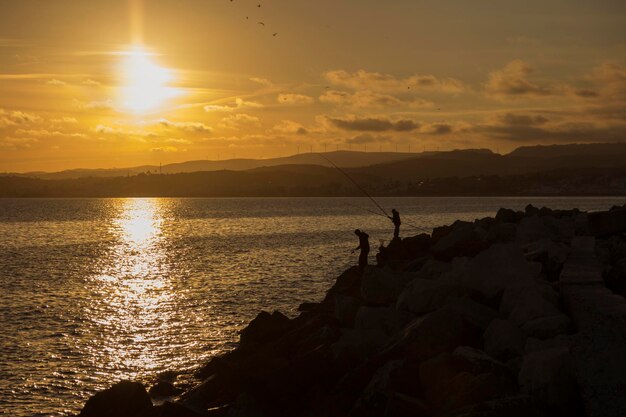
x=146 y=84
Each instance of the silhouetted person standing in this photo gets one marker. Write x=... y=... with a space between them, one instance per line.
x=395 y=218
x=364 y=245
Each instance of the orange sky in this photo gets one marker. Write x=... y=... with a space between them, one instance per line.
x=100 y=84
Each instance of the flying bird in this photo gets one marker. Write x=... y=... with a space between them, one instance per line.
x=274 y=34
x=261 y=23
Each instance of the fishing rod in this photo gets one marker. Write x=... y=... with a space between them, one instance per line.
x=355 y=183
x=424 y=229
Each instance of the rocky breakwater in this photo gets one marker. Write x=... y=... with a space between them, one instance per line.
x=472 y=320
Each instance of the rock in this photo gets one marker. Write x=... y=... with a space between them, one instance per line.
x=461 y=232
x=476 y=361
x=385 y=319
x=433 y=269
x=124 y=399
x=164 y=389
x=423 y=296
x=345 y=309
x=523 y=303
x=497 y=268
x=504 y=340
x=534 y=345
x=552 y=255
x=475 y=313
x=381 y=286
x=604 y=223
x=513 y=406
x=546 y=376
x=534 y=228
x=547 y=327
x=356 y=345
x=616 y=277
x=501 y=232
x=264 y=327
x=505 y=215
x=168 y=409
x=416 y=246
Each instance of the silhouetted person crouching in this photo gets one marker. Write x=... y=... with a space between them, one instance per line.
x=395 y=218
x=364 y=245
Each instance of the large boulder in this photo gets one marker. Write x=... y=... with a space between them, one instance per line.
x=264 y=327
x=547 y=327
x=124 y=399
x=530 y=301
x=547 y=377
x=504 y=340
x=423 y=296
x=501 y=232
x=382 y=286
x=461 y=232
x=534 y=228
x=345 y=308
x=497 y=268
x=385 y=319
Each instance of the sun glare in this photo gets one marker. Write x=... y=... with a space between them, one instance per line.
x=145 y=83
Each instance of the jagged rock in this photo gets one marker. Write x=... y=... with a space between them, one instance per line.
x=382 y=286
x=458 y=267
x=164 y=389
x=514 y=406
x=505 y=215
x=546 y=376
x=385 y=319
x=433 y=269
x=345 y=308
x=264 y=327
x=534 y=228
x=501 y=232
x=423 y=296
x=124 y=399
x=461 y=232
x=504 y=340
x=475 y=313
x=416 y=245
x=534 y=345
x=356 y=345
x=604 y=223
x=497 y=268
x=476 y=361
x=523 y=303
x=615 y=278
x=547 y=327
x=552 y=255
x=168 y=409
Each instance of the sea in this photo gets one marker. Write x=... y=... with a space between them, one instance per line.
x=93 y=291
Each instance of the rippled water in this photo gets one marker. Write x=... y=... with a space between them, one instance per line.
x=96 y=290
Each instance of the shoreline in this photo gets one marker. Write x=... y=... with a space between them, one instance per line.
x=479 y=319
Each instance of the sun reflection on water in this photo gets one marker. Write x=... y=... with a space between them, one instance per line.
x=135 y=297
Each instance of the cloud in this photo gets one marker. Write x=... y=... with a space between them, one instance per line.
x=263 y=81
x=540 y=129
x=55 y=82
x=164 y=149
x=193 y=127
x=375 y=81
x=289 y=127
x=42 y=133
x=95 y=105
x=370 y=99
x=437 y=129
x=15 y=143
x=512 y=81
x=238 y=104
x=236 y=121
x=91 y=83
x=294 y=99
x=15 y=118
x=69 y=120
x=373 y=124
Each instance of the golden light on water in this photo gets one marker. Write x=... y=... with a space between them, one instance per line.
x=134 y=289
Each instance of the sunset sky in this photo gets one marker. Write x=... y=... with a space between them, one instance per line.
x=119 y=83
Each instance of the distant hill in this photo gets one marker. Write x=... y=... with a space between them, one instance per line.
x=572 y=149
x=343 y=159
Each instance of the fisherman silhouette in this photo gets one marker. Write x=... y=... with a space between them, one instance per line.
x=364 y=245
x=395 y=218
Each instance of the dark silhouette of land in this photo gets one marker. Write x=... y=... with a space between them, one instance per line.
x=563 y=170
